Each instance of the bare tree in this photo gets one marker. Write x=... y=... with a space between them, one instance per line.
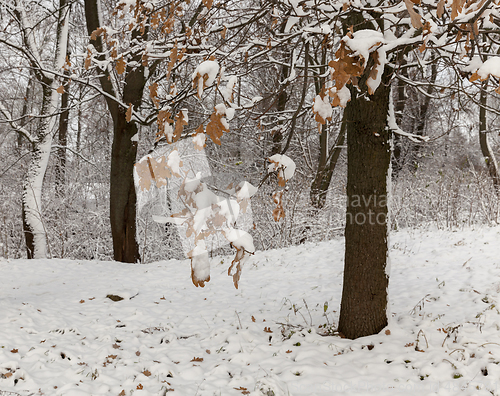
x=21 y=38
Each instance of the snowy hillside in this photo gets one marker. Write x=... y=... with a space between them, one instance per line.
x=61 y=335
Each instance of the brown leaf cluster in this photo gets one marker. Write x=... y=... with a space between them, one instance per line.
x=154 y=171
x=346 y=67
x=215 y=127
x=179 y=125
x=279 y=211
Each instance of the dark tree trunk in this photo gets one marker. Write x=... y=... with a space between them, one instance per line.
x=28 y=235
x=123 y=153
x=24 y=119
x=397 y=154
x=364 y=295
x=62 y=142
x=321 y=183
x=122 y=191
x=488 y=154
x=328 y=157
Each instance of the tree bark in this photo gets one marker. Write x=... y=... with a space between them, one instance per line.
x=123 y=153
x=33 y=226
x=364 y=295
x=60 y=169
x=123 y=198
x=321 y=183
x=488 y=154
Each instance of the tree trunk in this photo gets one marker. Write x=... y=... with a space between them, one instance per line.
x=33 y=227
x=60 y=169
x=397 y=154
x=364 y=295
x=328 y=157
x=122 y=191
x=123 y=153
x=321 y=183
x=488 y=154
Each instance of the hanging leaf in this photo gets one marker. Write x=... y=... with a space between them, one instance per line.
x=456 y=8
x=153 y=94
x=96 y=33
x=216 y=126
x=322 y=108
x=128 y=114
x=346 y=66
x=120 y=65
x=180 y=121
x=440 y=8
x=88 y=59
x=60 y=90
x=414 y=16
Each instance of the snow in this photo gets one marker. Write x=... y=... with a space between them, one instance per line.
x=240 y=239
x=363 y=42
x=199 y=139
x=490 y=66
x=210 y=69
x=60 y=335
x=344 y=95
x=373 y=83
x=322 y=107
x=284 y=165
x=227 y=93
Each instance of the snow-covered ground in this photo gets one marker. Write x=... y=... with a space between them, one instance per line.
x=61 y=335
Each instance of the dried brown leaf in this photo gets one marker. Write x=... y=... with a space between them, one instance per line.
x=173 y=58
x=88 y=59
x=96 y=33
x=440 y=8
x=215 y=127
x=179 y=125
x=147 y=373
x=120 y=65
x=414 y=16
x=128 y=114
x=346 y=66
x=456 y=8
x=153 y=94
x=197 y=359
